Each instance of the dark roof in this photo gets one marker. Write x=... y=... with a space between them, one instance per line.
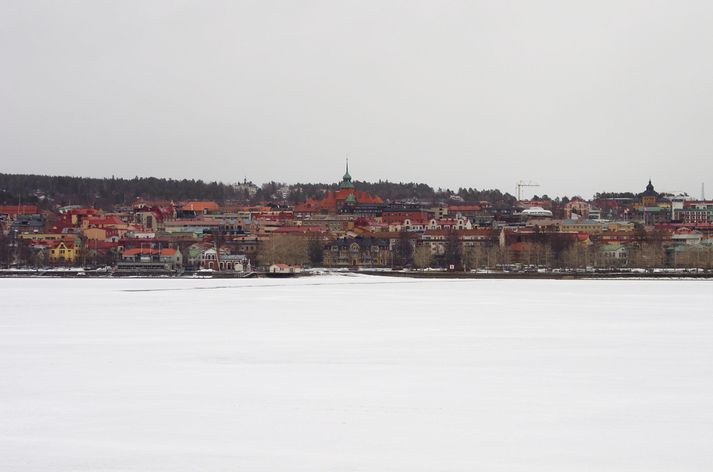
x=649 y=192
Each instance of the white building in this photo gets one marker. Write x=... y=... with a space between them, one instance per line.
x=536 y=212
x=284 y=269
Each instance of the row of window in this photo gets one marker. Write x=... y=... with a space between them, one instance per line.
x=355 y=248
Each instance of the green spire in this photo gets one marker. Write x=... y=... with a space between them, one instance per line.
x=347 y=179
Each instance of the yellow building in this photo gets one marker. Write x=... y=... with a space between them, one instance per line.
x=95 y=233
x=649 y=197
x=64 y=251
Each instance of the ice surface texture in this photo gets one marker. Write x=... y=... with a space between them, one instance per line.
x=356 y=373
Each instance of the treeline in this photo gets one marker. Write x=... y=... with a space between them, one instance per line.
x=604 y=195
x=548 y=251
x=385 y=189
x=108 y=192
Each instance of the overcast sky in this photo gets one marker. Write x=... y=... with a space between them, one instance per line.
x=576 y=96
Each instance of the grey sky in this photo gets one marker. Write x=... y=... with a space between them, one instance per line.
x=578 y=96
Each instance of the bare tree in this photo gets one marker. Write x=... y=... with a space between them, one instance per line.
x=283 y=249
x=475 y=256
x=5 y=249
x=452 y=251
x=647 y=255
x=315 y=252
x=494 y=255
x=694 y=257
x=422 y=257
x=403 y=250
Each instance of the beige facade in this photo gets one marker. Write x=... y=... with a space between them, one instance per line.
x=95 y=234
x=578 y=207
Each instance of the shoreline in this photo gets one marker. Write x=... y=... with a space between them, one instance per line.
x=79 y=274
x=545 y=275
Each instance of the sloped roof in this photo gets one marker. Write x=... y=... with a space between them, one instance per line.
x=104 y=220
x=149 y=251
x=18 y=209
x=200 y=206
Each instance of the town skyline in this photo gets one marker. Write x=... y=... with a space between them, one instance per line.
x=166 y=227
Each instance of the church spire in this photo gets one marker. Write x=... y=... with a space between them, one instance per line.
x=347 y=179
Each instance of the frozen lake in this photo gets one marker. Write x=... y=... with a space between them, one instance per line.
x=356 y=373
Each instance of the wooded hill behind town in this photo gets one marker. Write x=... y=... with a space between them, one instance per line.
x=107 y=192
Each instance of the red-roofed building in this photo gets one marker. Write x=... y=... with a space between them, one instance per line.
x=345 y=198
x=400 y=216
x=102 y=221
x=77 y=215
x=11 y=211
x=200 y=207
x=686 y=236
x=470 y=210
x=142 y=251
x=150 y=259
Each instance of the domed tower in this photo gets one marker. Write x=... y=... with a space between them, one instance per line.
x=649 y=197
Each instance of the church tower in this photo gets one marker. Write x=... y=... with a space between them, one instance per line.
x=347 y=179
x=649 y=197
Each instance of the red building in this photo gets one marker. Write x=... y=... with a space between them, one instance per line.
x=334 y=200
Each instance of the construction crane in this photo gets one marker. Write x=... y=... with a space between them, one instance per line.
x=521 y=184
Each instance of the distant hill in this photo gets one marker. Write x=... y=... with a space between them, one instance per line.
x=107 y=192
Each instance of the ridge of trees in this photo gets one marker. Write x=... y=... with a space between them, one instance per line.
x=107 y=192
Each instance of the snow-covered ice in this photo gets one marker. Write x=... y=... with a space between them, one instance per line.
x=356 y=373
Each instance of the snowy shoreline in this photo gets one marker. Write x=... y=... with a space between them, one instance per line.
x=81 y=274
